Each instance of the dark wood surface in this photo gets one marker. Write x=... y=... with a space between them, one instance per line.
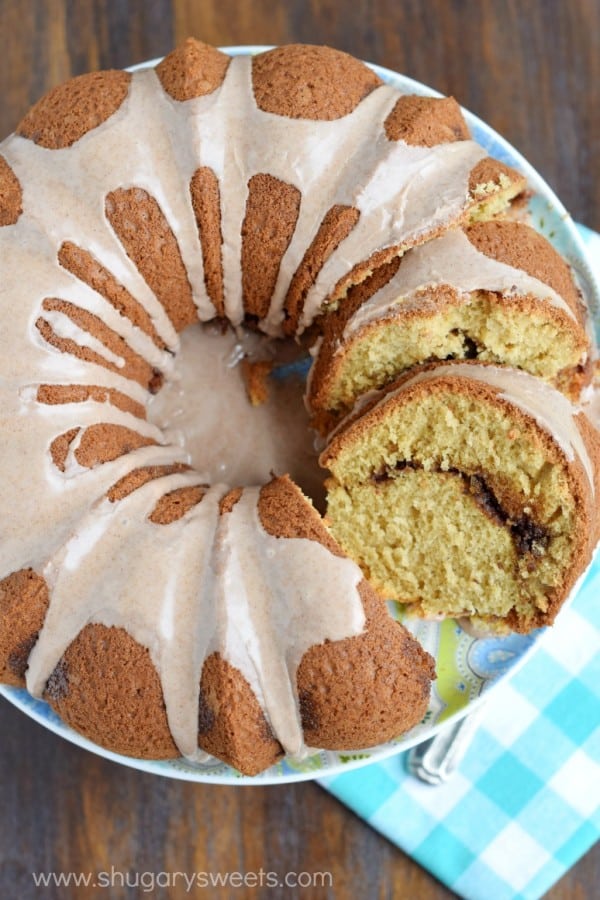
x=532 y=70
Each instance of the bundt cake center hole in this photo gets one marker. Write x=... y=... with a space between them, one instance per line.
x=236 y=416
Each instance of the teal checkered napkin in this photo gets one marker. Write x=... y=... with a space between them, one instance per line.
x=524 y=805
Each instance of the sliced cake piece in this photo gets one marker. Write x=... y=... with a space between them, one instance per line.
x=496 y=291
x=492 y=188
x=468 y=490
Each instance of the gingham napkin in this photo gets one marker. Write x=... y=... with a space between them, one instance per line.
x=524 y=805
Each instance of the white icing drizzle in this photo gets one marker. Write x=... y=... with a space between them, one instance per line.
x=64 y=327
x=272 y=590
x=590 y=404
x=450 y=260
x=548 y=407
x=210 y=582
x=431 y=191
x=325 y=160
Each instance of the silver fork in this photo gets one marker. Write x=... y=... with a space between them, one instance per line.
x=435 y=760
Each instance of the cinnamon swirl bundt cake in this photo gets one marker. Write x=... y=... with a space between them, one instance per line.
x=159 y=607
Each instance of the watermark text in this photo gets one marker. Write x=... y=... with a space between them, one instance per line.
x=148 y=882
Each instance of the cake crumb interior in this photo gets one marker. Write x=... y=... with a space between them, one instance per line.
x=402 y=503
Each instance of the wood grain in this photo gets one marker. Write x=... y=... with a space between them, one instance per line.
x=532 y=70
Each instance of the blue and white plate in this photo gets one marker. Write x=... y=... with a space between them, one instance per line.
x=467 y=668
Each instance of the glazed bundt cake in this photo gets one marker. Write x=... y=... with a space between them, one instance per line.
x=495 y=291
x=468 y=490
x=283 y=640
x=161 y=608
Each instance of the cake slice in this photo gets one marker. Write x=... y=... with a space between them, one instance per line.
x=468 y=490
x=496 y=291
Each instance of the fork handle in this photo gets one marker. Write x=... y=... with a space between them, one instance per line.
x=435 y=760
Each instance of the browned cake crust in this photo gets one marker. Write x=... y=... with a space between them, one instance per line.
x=206 y=203
x=588 y=524
x=139 y=477
x=307 y=82
x=365 y=690
x=87 y=269
x=353 y=693
x=149 y=242
x=192 y=70
x=107 y=688
x=272 y=211
x=520 y=246
x=67 y=112
x=176 y=504
x=23 y=605
x=11 y=195
x=104 y=442
x=135 y=366
x=231 y=724
x=98 y=444
x=426 y=121
x=337 y=224
x=59 y=448
x=285 y=512
x=227 y=502
x=57 y=394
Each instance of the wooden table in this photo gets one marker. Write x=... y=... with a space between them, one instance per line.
x=532 y=70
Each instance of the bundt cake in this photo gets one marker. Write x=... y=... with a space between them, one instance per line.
x=161 y=607
x=495 y=291
x=255 y=635
x=467 y=489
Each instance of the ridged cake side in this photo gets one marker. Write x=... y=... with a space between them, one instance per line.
x=123 y=691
